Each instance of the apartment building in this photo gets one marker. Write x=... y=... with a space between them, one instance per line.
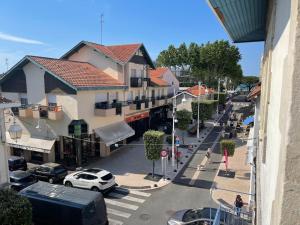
x=85 y=104
x=276 y=125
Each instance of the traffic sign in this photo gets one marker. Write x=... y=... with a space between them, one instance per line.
x=163 y=153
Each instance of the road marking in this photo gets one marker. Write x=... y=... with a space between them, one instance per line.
x=126 y=197
x=144 y=194
x=118 y=213
x=121 y=204
x=114 y=222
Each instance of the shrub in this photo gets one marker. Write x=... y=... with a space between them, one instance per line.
x=169 y=139
x=206 y=109
x=14 y=209
x=229 y=145
x=222 y=97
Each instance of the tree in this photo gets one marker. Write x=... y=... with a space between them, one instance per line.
x=184 y=118
x=206 y=109
x=153 y=141
x=222 y=97
x=229 y=145
x=14 y=209
x=249 y=81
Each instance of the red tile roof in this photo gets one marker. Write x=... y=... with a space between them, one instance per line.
x=255 y=91
x=4 y=100
x=78 y=74
x=195 y=90
x=157 y=75
x=122 y=53
x=158 y=72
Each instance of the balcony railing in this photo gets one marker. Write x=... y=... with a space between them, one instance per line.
x=51 y=112
x=147 y=82
x=136 y=82
x=108 y=109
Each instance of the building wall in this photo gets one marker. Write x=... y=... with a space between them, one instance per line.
x=278 y=156
x=86 y=110
x=99 y=60
x=172 y=80
x=35 y=84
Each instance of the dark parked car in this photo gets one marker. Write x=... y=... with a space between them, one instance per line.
x=60 y=205
x=21 y=179
x=51 y=172
x=200 y=216
x=17 y=163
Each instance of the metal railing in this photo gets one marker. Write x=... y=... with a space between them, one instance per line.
x=227 y=216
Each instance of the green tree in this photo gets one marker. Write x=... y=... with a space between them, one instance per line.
x=153 y=141
x=229 y=145
x=249 y=81
x=222 y=97
x=184 y=118
x=14 y=209
x=206 y=109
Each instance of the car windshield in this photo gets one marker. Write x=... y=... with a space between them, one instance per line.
x=192 y=214
x=107 y=176
x=59 y=169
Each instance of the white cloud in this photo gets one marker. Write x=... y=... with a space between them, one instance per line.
x=9 y=37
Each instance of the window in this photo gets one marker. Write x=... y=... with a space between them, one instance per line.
x=24 y=101
x=133 y=72
x=43 y=169
x=90 y=177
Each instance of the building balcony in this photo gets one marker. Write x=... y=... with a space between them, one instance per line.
x=161 y=101
x=146 y=82
x=25 y=112
x=136 y=82
x=47 y=112
x=137 y=105
x=108 y=109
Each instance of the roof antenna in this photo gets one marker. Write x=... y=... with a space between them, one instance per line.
x=101 y=22
x=6 y=63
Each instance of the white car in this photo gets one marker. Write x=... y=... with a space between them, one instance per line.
x=93 y=179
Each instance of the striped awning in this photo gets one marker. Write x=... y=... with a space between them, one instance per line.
x=244 y=20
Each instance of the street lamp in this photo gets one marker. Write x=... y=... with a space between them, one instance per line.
x=198 y=99
x=15 y=131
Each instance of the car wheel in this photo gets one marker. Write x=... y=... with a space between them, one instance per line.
x=95 y=189
x=51 y=180
x=68 y=184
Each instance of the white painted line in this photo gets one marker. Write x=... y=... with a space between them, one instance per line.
x=144 y=194
x=114 y=222
x=121 y=204
x=126 y=197
x=118 y=213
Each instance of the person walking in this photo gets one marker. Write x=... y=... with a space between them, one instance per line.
x=238 y=204
x=208 y=154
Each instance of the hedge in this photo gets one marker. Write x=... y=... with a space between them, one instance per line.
x=206 y=109
x=222 y=97
x=153 y=141
x=14 y=209
x=229 y=144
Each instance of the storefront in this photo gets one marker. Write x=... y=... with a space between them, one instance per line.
x=139 y=123
x=32 y=149
x=113 y=136
x=158 y=116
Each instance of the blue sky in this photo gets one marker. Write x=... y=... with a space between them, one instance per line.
x=51 y=27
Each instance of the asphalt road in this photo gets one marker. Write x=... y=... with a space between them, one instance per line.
x=178 y=195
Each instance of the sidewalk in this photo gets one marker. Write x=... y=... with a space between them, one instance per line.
x=130 y=166
x=227 y=188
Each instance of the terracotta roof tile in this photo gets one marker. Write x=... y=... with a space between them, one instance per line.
x=158 y=72
x=255 y=91
x=4 y=100
x=156 y=76
x=195 y=90
x=78 y=74
x=121 y=53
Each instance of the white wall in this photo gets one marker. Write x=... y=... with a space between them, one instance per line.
x=107 y=65
x=35 y=84
x=269 y=171
x=171 y=79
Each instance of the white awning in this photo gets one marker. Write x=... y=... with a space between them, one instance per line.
x=114 y=133
x=32 y=144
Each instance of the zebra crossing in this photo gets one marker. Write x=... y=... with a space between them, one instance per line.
x=122 y=203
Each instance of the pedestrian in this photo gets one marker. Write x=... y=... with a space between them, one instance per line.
x=238 y=204
x=208 y=154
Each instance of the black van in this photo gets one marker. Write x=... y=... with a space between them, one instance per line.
x=17 y=163
x=60 y=205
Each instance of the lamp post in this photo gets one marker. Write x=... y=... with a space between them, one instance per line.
x=198 y=98
x=173 y=128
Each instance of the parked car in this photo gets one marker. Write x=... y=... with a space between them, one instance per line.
x=94 y=179
x=17 y=163
x=51 y=172
x=201 y=216
x=59 y=205
x=21 y=179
